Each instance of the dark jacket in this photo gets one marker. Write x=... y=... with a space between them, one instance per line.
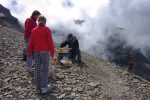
x=72 y=43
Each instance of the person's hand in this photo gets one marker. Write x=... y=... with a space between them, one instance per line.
x=54 y=59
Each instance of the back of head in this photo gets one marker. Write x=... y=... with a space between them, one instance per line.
x=41 y=20
x=70 y=36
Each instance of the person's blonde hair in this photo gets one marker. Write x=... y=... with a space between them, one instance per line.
x=41 y=20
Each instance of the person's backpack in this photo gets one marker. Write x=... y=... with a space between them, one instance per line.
x=24 y=54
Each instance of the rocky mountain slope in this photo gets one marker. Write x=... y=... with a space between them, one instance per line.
x=10 y=20
x=119 y=50
x=97 y=80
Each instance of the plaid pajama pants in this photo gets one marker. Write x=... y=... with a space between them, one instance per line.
x=41 y=63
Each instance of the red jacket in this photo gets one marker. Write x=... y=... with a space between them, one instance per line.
x=41 y=40
x=30 y=23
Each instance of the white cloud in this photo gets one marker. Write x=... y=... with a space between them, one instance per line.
x=54 y=9
x=101 y=17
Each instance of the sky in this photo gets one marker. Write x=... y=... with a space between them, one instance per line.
x=102 y=18
x=56 y=11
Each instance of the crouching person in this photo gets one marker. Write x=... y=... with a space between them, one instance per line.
x=41 y=44
x=73 y=43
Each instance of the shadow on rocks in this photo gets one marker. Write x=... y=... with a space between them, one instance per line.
x=47 y=96
x=82 y=65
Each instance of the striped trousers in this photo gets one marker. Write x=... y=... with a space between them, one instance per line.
x=41 y=73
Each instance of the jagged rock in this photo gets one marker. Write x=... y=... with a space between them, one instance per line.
x=68 y=89
x=62 y=96
x=9 y=96
x=68 y=82
x=73 y=94
x=93 y=84
x=85 y=98
x=18 y=89
x=74 y=89
x=7 y=79
x=143 y=85
x=135 y=80
x=59 y=77
x=80 y=89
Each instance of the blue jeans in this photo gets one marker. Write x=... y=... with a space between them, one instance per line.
x=29 y=60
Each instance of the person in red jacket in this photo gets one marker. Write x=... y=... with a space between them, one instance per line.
x=41 y=43
x=30 y=23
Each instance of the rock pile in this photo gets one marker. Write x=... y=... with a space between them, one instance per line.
x=96 y=80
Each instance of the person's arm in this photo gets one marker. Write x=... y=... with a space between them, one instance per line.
x=63 y=44
x=50 y=43
x=30 y=47
x=77 y=43
x=28 y=27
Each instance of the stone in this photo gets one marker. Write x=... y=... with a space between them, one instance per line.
x=7 y=79
x=92 y=84
x=120 y=81
x=73 y=94
x=59 y=77
x=68 y=82
x=62 y=96
x=143 y=85
x=75 y=89
x=85 y=98
x=18 y=89
x=65 y=84
x=135 y=80
x=80 y=89
x=68 y=89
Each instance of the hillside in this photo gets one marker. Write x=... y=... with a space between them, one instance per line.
x=9 y=20
x=119 y=51
x=98 y=80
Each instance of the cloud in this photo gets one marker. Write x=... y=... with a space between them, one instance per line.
x=102 y=18
x=134 y=16
x=54 y=10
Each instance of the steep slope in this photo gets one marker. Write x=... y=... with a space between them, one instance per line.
x=9 y=19
x=97 y=80
x=119 y=50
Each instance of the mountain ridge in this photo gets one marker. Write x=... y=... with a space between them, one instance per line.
x=10 y=20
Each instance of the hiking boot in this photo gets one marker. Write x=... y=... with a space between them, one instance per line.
x=38 y=92
x=79 y=63
x=47 y=89
x=32 y=66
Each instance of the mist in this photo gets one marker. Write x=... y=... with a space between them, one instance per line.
x=128 y=20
